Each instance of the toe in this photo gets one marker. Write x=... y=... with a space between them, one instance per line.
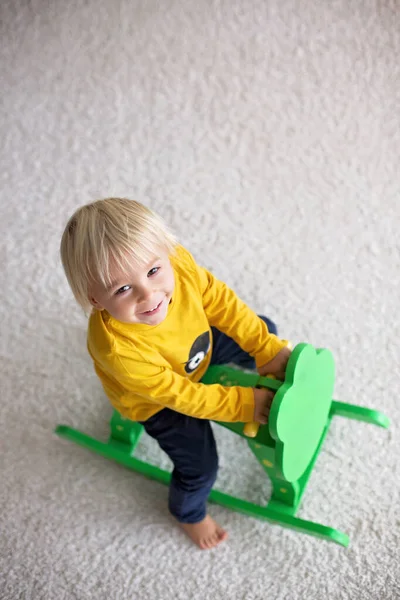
x=218 y=539
x=222 y=535
x=202 y=545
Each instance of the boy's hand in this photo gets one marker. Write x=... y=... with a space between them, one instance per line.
x=276 y=366
x=262 y=404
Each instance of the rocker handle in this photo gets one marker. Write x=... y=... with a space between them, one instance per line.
x=251 y=429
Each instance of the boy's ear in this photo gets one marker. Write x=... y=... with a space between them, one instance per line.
x=95 y=304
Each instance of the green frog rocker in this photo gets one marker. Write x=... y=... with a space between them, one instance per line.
x=287 y=447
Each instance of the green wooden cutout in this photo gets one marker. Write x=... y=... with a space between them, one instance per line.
x=287 y=447
x=300 y=409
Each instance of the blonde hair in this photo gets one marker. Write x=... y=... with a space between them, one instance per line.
x=113 y=230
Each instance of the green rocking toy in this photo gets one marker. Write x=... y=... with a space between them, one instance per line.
x=287 y=447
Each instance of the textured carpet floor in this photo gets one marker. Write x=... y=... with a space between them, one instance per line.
x=268 y=135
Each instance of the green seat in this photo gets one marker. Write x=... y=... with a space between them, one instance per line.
x=287 y=447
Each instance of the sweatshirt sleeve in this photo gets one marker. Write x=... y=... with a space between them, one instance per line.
x=227 y=312
x=168 y=389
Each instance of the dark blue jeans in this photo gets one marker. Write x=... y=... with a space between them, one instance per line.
x=190 y=443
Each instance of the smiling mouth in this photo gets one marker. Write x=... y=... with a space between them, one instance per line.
x=153 y=310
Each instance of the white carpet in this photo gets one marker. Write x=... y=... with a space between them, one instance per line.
x=268 y=135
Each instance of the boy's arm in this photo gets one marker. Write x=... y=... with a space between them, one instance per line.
x=227 y=312
x=170 y=390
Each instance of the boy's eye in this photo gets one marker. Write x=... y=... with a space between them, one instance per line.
x=153 y=271
x=123 y=289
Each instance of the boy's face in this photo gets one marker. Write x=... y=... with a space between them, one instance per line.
x=141 y=296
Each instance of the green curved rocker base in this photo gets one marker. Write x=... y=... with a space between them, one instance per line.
x=287 y=447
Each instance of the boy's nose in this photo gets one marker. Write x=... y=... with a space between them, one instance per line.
x=144 y=293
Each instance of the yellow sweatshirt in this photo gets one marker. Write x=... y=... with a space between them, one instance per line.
x=145 y=368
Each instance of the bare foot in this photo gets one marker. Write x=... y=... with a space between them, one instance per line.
x=206 y=534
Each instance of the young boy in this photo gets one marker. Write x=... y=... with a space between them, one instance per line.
x=157 y=322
